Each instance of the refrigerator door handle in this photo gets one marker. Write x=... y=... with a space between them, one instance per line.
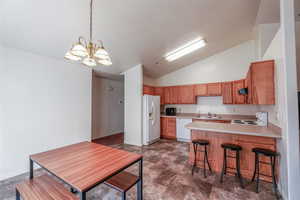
x=153 y=113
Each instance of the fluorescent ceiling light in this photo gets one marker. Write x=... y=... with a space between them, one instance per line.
x=185 y=49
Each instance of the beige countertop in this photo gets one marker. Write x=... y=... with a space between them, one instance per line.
x=204 y=116
x=269 y=131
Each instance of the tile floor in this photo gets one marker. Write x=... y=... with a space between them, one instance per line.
x=167 y=176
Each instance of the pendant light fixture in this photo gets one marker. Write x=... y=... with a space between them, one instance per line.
x=89 y=53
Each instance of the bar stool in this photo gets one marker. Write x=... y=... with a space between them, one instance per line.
x=203 y=143
x=236 y=149
x=272 y=155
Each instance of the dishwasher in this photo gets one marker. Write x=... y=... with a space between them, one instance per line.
x=183 y=134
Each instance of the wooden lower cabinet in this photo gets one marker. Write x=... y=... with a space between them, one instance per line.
x=168 y=127
x=215 y=152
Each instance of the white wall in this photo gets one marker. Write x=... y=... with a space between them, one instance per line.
x=108 y=107
x=298 y=51
x=44 y=104
x=229 y=65
x=263 y=36
x=149 y=81
x=133 y=105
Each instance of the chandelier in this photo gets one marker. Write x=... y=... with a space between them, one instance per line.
x=89 y=52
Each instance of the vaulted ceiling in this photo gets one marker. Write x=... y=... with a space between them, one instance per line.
x=133 y=31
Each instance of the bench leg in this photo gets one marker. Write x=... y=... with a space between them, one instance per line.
x=123 y=195
x=18 y=195
x=82 y=196
x=140 y=182
x=30 y=169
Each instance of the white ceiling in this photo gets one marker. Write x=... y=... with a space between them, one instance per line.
x=134 y=31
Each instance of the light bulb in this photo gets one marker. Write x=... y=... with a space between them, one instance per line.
x=70 y=56
x=101 y=53
x=79 y=50
x=105 y=62
x=89 y=62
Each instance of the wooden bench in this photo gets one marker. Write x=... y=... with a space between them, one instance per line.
x=43 y=188
x=122 y=182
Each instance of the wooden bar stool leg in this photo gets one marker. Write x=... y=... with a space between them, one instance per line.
x=18 y=195
x=224 y=166
x=195 y=159
x=206 y=156
x=255 y=167
x=238 y=168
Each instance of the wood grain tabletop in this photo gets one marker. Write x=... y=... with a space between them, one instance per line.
x=85 y=164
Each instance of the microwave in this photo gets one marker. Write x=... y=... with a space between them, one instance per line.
x=171 y=111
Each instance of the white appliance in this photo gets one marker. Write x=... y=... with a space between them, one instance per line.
x=151 y=119
x=262 y=118
x=182 y=133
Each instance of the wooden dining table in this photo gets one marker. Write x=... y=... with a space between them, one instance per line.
x=85 y=165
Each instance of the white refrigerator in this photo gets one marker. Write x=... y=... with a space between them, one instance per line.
x=151 y=119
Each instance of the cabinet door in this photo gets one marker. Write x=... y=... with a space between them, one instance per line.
x=163 y=127
x=186 y=95
x=248 y=84
x=200 y=90
x=214 y=89
x=171 y=128
x=227 y=93
x=167 y=95
x=263 y=87
x=237 y=98
x=174 y=94
x=159 y=91
x=147 y=89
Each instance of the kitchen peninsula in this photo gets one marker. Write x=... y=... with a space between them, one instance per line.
x=246 y=136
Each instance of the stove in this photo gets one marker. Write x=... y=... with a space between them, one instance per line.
x=244 y=122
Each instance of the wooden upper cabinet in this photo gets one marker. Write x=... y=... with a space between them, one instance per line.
x=248 y=85
x=171 y=95
x=147 y=89
x=167 y=95
x=200 y=90
x=214 y=89
x=174 y=95
x=186 y=95
x=236 y=86
x=227 y=93
x=263 y=86
x=159 y=91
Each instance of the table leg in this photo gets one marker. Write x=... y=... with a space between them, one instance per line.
x=30 y=169
x=140 y=182
x=82 y=196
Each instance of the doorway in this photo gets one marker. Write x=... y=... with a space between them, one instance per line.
x=107 y=109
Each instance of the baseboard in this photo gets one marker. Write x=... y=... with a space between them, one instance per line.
x=120 y=132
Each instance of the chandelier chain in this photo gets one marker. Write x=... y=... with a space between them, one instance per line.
x=91 y=20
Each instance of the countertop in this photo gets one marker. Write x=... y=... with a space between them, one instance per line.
x=204 y=116
x=264 y=131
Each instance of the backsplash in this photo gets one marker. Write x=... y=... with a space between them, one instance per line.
x=215 y=105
